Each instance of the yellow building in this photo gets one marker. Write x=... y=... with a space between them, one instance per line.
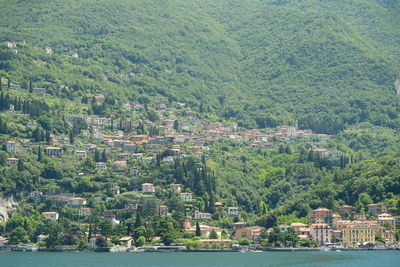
x=359 y=232
x=386 y=219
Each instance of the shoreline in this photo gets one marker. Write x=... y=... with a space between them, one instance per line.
x=160 y=250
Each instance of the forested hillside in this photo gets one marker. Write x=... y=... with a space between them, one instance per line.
x=130 y=119
x=327 y=64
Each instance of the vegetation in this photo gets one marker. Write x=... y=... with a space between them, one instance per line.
x=261 y=64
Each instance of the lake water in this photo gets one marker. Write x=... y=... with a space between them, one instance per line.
x=197 y=259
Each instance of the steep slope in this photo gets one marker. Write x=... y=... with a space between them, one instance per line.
x=325 y=63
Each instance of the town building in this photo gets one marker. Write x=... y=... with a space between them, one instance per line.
x=186 y=197
x=233 y=211
x=100 y=166
x=346 y=209
x=297 y=225
x=321 y=215
x=120 y=165
x=53 y=151
x=109 y=215
x=376 y=209
x=115 y=190
x=202 y=215
x=164 y=210
x=131 y=207
x=51 y=215
x=176 y=187
x=126 y=241
x=358 y=233
x=206 y=230
x=12 y=161
x=84 y=212
x=3 y=241
x=320 y=233
x=360 y=217
x=76 y=202
x=134 y=172
x=41 y=238
x=148 y=189
x=387 y=220
x=80 y=153
x=253 y=233
x=11 y=146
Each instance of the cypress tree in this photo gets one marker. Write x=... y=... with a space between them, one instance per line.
x=97 y=156
x=39 y=155
x=104 y=156
x=71 y=138
x=30 y=87
x=47 y=136
x=20 y=166
x=138 y=220
x=198 y=230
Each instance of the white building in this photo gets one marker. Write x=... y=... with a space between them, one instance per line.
x=76 y=202
x=84 y=212
x=202 y=215
x=11 y=146
x=81 y=153
x=186 y=197
x=53 y=151
x=233 y=211
x=100 y=166
x=51 y=215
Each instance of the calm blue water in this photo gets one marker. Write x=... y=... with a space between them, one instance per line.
x=226 y=259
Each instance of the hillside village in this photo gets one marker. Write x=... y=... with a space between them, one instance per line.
x=143 y=178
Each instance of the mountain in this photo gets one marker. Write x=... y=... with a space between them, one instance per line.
x=328 y=64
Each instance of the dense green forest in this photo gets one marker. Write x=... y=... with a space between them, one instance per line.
x=328 y=64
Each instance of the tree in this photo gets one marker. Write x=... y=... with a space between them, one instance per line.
x=213 y=235
x=105 y=227
x=176 y=125
x=71 y=138
x=244 y=241
x=39 y=154
x=30 y=87
x=19 y=235
x=149 y=234
x=267 y=221
x=20 y=166
x=138 y=220
x=104 y=156
x=198 y=230
x=54 y=230
x=140 y=231
x=101 y=241
x=48 y=137
x=140 y=241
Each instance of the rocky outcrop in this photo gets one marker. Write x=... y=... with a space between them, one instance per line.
x=6 y=205
x=397 y=86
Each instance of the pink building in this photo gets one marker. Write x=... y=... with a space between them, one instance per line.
x=321 y=215
x=148 y=188
x=320 y=233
